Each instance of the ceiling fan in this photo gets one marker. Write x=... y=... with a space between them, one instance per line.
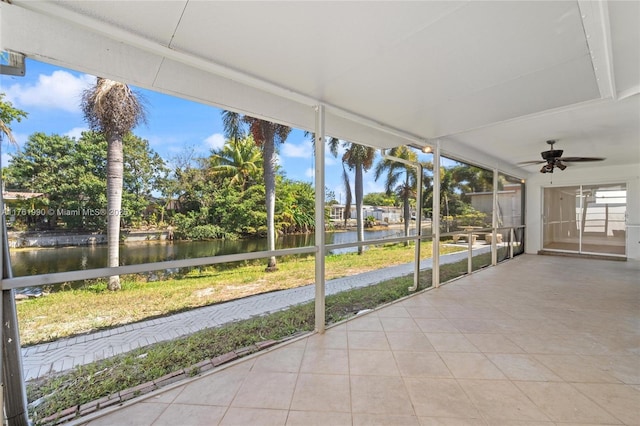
x=553 y=158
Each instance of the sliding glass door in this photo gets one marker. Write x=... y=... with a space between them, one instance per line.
x=586 y=219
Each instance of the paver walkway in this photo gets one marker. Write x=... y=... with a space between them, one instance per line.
x=40 y=360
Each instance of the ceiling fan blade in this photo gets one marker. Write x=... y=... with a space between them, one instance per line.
x=532 y=162
x=580 y=159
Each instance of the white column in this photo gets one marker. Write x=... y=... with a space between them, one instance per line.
x=435 y=217
x=319 y=220
x=494 y=220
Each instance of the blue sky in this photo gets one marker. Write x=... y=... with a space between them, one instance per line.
x=51 y=96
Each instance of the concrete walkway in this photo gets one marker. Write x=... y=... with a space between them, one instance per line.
x=64 y=354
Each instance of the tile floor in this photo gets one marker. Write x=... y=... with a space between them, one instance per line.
x=539 y=340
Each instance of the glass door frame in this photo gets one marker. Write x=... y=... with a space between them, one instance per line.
x=580 y=219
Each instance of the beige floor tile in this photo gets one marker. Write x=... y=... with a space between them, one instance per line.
x=372 y=340
x=556 y=344
x=421 y=364
x=164 y=395
x=227 y=382
x=394 y=311
x=326 y=361
x=190 y=415
x=399 y=324
x=418 y=301
x=493 y=343
x=318 y=418
x=471 y=366
x=574 y=368
x=449 y=421
x=322 y=392
x=372 y=363
x=619 y=342
x=415 y=342
x=523 y=367
x=468 y=312
x=475 y=325
x=625 y=368
x=622 y=401
x=254 y=416
x=369 y=322
x=450 y=342
x=286 y=359
x=333 y=338
x=563 y=403
x=501 y=400
x=423 y=311
x=379 y=395
x=436 y=325
x=266 y=390
x=440 y=398
x=132 y=415
x=361 y=419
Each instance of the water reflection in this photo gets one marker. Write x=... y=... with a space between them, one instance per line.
x=62 y=259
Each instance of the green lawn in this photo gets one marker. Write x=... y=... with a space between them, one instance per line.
x=93 y=307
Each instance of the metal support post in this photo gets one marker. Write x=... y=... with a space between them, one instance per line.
x=14 y=396
x=416 y=271
x=494 y=220
x=319 y=221
x=435 y=218
x=512 y=236
x=470 y=254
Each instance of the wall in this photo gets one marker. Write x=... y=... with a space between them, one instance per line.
x=44 y=239
x=582 y=174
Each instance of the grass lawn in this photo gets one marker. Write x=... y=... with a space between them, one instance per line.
x=92 y=307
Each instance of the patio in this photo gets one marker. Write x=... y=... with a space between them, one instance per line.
x=537 y=340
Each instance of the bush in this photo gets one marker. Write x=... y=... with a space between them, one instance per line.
x=205 y=232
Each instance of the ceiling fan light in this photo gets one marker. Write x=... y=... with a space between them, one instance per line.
x=560 y=165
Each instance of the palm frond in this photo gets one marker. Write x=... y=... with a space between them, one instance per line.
x=4 y=129
x=112 y=107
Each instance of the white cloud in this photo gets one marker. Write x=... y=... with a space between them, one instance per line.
x=215 y=141
x=310 y=172
x=60 y=90
x=304 y=150
x=76 y=132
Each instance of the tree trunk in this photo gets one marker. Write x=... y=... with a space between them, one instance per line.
x=359 y=196
x=407 y=214
x=269 y=160
x=115 y=170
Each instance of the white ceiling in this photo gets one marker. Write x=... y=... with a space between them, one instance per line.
x=491 y=80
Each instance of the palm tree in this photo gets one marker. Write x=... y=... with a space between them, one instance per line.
x=8 y=114
x=401 y=179
x=266 y=135
x=239 y=160
x=357 y=158
x=113 y=109
x=346 y=214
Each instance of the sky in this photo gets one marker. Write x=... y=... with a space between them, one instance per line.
x=51 y=96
